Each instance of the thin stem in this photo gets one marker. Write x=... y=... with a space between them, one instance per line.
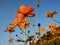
x=37 y=6
x=9 y=43
x=36 y=16
x=54 y=20
x=25 y=37
x=10 y=37
x=23 y=31
x=20 y=38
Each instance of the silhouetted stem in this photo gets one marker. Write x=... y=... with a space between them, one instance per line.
x=36 y=14
x=10 y=35
x=55 y=20
x=23 y=32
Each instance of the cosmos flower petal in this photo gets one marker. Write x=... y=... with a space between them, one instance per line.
x=32 y=10
x=31 y=15
x=28 y=9
x=22 y=8
x=25 y=9
x=18 y=12
x=20 y=16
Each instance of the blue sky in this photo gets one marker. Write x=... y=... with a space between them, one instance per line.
x=7 y=14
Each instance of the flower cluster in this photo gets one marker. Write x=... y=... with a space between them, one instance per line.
x=21 y=22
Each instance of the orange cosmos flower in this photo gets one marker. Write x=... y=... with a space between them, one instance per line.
x=25 y=12
x=9 y=29
x=58 y=29
x=10 y=40
x=53 y=32
x=42 y=30
x=53 y=26
x=25 y=24
x=44 y=41
x=50 y=14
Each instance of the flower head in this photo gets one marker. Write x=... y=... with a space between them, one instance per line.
x=42 y=30
x=9 y=29
x=53 y=32
x=25 y=12
x=10 y=40
x=38 y=4
x=58 y=29
x=39 y=24
x=50 y=14
x=53 y=26
x=25 y=24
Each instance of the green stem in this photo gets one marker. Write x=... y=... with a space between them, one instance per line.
x=25 y=37
x=36 y=14
x=54 y=20
x=12 y=43
x=9 y=43
x=23 y=32
x=10 y=37
x=36 y=17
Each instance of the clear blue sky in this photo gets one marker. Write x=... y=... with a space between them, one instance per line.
x=7 y=14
